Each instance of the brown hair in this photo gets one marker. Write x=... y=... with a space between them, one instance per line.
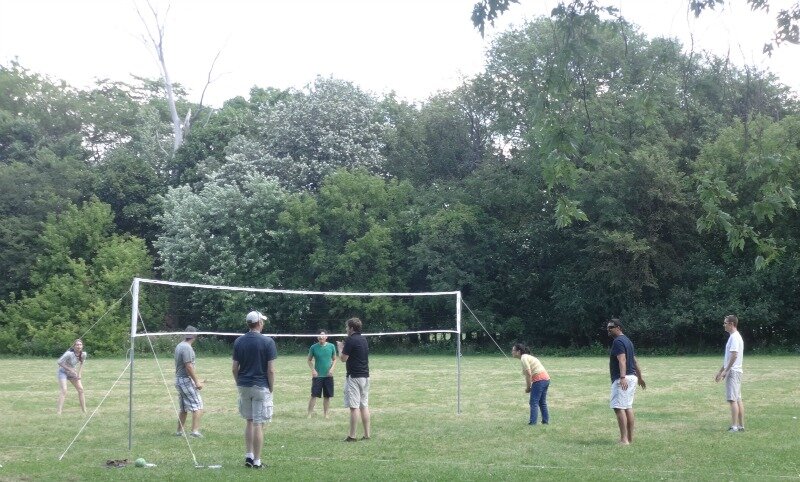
x=355 y=324
x=520 y=347
x=614 y=323
x=732 y=320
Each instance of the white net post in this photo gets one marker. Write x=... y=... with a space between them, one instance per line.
x=134 y=318
x=458 y=352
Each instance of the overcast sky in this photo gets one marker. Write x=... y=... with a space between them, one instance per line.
x=414 y=47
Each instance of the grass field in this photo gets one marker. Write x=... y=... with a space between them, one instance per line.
x=417 y=435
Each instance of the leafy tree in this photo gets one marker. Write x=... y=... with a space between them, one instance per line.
x=746 y=180
x=787 y=20
x=222 y=235
x=132 y=187
x=311 y=134
x=29 y=192
x=84 y=269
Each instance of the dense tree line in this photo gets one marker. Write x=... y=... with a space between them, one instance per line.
x=588 y=172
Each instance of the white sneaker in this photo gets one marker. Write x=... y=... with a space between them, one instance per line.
x=196 y=434
x=733 y=428
x=179 y=434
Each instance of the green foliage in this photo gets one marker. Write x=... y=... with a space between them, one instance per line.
x=84 y=269
x=588 y=172
x=746 y=179
x=309 y=135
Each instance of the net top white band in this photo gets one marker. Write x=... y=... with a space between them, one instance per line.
x=288 y=335
x=294 y=292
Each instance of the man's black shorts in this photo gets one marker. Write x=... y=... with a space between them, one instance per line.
x=322 y=386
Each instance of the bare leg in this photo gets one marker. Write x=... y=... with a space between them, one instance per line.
x=62 y=394
x=734 y=413
x=196 y=416
x=312 y=402
x=258 y=440
x=631 y=420
x=326 y=405
x=741 y=412
x=365 y=420
x=622 y=421
x=248 y=436
x=81 y=397
x=181 y=421
x=353 y=422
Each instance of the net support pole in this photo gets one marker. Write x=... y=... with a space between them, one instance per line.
x=134 y=317
x=458 y=352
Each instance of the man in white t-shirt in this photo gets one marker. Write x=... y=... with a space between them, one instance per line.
x=731 y=371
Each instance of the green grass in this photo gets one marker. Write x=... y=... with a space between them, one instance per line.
x=417 y=435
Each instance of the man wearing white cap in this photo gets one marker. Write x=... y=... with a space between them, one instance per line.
x=188 y=384
x=253 y=370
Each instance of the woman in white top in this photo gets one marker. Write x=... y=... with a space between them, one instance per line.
x=70 y=367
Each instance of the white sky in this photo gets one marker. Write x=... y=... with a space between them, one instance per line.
x=414 y=47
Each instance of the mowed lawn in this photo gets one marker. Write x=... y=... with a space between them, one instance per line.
x=417 y=435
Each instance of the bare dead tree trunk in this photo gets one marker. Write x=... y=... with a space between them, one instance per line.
x=155 y=37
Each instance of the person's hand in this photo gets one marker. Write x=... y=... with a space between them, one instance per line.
x=314 y=373
x=528 y=390
x=623 y=383
x=330 y=372
x=198 y=385
x=642 y=383
x=720 y=375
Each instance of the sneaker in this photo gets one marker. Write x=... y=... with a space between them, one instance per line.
x=733 y=428
x=259 y=466
x=196 y=435
x=179 y=434
x=248 y=462
x=351 y=439
x=741 y=429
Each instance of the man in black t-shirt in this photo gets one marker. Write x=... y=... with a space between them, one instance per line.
x=354 y=352
x=625 y=374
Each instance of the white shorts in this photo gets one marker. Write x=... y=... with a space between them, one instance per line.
x=356 y=392
x=733 y=386
x=623 y=399
x=255 y=403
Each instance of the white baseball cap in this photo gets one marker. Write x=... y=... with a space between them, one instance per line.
x=254 y=317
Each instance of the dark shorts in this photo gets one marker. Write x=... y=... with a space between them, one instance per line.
x=322 y=386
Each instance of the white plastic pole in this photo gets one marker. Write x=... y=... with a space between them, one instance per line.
x=458 y=352
x=134 y=318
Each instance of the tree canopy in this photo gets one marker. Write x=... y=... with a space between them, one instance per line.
x=587 y=172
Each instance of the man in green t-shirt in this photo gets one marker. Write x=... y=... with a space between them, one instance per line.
x=321 y=361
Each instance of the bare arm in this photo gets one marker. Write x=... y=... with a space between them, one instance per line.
x=639 y=373
x=235 y=370
x=723 y=372
x=271 y=375
x=623 y=361
x=342 y=356
x=528 y=380
x=193 y=375
x=311 y=366
x=67 y=369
